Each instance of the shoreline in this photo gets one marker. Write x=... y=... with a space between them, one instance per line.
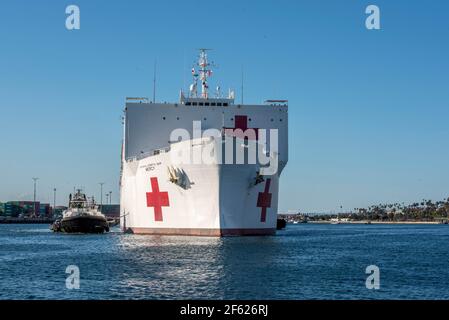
x=27 y=221
x=376 y=222
x=50 y=221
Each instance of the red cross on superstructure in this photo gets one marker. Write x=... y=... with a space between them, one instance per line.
x=241 y=122
x=264 y=201
x=157 y=200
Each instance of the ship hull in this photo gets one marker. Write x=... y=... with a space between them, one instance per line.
x=84 y=224
x=220 y=200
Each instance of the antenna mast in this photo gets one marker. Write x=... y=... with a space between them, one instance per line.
x=204 y=72
x=242 y=84
x=154 y=81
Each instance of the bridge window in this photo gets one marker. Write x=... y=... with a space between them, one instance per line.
x=188 y=104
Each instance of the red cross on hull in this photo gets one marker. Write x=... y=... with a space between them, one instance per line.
x=157 y=200
x=264 y=201
x=241 y=122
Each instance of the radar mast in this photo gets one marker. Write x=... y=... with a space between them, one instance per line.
x=204 y=72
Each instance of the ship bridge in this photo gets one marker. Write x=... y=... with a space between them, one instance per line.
x=212 y=102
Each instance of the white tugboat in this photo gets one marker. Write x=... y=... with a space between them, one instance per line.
x=82 y=216
x=187 y=167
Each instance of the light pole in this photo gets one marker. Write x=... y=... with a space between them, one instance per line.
x=54 y=200
x=110 y=197
x=107 y=197
x=101 y=193
x=34 y=197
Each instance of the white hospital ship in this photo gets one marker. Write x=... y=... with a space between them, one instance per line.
x=204 y=166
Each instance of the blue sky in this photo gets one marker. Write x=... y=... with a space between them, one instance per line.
x=368 y=112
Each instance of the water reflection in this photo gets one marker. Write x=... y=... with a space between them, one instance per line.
x=167 y=267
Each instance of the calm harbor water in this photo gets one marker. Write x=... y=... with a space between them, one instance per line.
x=306 y=261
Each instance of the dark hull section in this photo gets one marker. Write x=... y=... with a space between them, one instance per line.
x=84 y=224
x=281 y=224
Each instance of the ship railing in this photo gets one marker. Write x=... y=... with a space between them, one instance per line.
x=137 y=99
x=143 y=155
x=277 y=103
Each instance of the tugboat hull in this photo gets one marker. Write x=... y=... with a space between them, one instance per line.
x=84 y=224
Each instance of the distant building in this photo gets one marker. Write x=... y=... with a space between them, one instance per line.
x=12 y=209
x=58 y=210
x=28 y=208
x=45 y=210
x=21 y=208
x=111 y=210
x=340 y=220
